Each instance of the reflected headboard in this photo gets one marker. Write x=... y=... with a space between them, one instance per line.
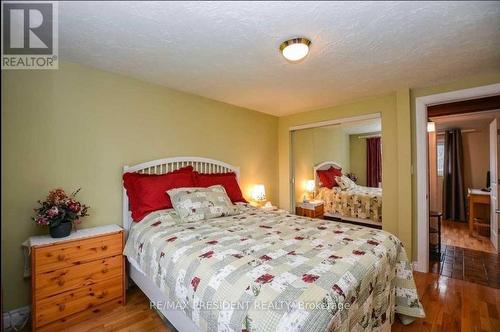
x=162 y=166
x=324 y=166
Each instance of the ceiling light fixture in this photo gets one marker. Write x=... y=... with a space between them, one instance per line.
x=295 y=49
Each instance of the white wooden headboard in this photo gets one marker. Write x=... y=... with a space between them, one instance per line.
x=324 y=166
x=162 y=166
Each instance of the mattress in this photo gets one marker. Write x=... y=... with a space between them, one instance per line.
x=272 y=271
x=359 y=202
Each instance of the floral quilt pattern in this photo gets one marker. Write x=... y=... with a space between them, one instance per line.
x=357 y=202
x=273 y=271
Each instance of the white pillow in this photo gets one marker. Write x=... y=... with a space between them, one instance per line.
x=345 y=183
x=193 y=204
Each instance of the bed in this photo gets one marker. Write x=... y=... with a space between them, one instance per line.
x=267 y=270
x=359 y=205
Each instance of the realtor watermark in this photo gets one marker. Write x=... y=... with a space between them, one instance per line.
x=30 y=35
x=284 y=306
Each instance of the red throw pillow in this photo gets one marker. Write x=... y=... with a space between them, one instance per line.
x=147 y=192
x=327 y=177
x=227 y=180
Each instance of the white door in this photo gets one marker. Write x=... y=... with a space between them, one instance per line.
x=494 y=182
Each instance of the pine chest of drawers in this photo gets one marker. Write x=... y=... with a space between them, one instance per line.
x=75 y=278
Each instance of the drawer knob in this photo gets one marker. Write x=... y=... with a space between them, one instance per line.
x=60 y=282
x=102 y=295
x=104 y=247
x=62 y=306
x=60 y=257
x=104 y=270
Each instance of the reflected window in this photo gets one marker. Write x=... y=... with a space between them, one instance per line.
x=440 y=158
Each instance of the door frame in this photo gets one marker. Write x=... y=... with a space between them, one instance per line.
x=493 y=131
x=422 y=198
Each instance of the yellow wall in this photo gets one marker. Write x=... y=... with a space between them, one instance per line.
x=396 y=158
x=76 y=127
x=476 y=149
x=313 y=146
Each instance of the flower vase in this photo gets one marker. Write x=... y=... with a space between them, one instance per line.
x=61 y=230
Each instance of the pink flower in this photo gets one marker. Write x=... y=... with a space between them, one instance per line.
x=42 y=221
x=212 y=242
x=52 y=212
x=74 y=207
x=358 y=252
x=265 y=258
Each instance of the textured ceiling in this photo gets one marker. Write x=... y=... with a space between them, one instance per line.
x=228 y=51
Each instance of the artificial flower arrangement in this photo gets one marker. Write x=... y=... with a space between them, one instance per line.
x=59 y=211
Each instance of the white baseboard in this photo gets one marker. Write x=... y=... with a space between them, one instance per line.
x=16 y=317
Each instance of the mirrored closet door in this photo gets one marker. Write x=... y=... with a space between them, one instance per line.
x=337 y=170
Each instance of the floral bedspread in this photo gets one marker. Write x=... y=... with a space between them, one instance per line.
x=273 y=271
x=360 y=202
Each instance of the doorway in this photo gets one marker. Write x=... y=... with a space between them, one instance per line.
x=422 y=159
x=459 y=178
x=459 y=197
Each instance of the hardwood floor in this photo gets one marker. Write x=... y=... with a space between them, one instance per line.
x=134 y=316
x=450 y=305
x=456 y=234
x=454 y=305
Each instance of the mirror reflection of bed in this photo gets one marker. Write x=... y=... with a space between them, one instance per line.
x=337 y=171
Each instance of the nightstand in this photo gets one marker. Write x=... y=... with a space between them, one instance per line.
x=76 y=277
x=310 y=209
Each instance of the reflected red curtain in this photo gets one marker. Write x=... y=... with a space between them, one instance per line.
x=373 y=161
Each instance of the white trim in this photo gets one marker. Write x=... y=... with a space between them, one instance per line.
x=422 y=206
x=336 y=121
x=165 y=165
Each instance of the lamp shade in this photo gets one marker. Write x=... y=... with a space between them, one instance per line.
x=310 y=185
x=431 y=127
x=259 y=192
